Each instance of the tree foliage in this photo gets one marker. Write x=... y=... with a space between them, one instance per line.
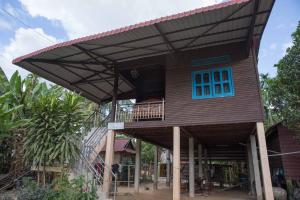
x=50 y=119
x=282 y=93
x=54 y=130
x=147 y=152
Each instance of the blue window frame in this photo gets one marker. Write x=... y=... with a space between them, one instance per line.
x=212 y=83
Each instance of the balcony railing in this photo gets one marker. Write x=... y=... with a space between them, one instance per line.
x=146 y=111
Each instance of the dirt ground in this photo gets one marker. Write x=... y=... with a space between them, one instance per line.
x=164 y=193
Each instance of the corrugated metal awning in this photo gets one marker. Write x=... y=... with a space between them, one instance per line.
x=86 y=65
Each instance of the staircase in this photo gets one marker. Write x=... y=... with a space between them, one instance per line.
x=90 y=164
x=8 y=181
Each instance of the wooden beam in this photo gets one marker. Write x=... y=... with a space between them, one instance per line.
x=189 y=134
x=251 y=27
x=115 y=94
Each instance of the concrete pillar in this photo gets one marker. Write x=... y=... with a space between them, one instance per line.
x=200 y=168
x=137 y=168
x=176 y=163
x=109 y=157
x=168 y=177
x=205 y=164
x=155 y=168
x=264 y=161
x=191 y=167
x=255 y=168
x=250 y=169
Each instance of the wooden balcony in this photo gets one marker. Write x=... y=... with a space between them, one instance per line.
x=145 y=111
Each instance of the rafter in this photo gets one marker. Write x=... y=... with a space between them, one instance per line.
x=217 y=24
x=71 y=64
x=83 y=81
x=55 y=75
x=164 y=37
x=101 y=77
x=78 y=75
x=184 y=39
x=167 y=33
x=89 y=52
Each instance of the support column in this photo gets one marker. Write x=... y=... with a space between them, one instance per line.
x=109 y=157
x=176 y=163
x=205 y=164
x=264 y=161
x=191 y=167
x=137 y=169
x=250 y=169
x=155 y=168
x=200 y=167
x=258 y=188
x=168 y=178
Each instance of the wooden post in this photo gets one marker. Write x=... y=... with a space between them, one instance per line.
x=137 y=173
x=109 y=157
x=109 y=153
x=191 y=168
x=264 y=161
x=168 y=178
x=176 y=163
x=256 y=168
x=115 y=94
x=250 y=169
x=155 y=168
x=200 y=167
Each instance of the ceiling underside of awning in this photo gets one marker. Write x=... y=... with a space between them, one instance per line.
x=86 y=65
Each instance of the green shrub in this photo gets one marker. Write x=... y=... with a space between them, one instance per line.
x=32 y=191
x=60 y=189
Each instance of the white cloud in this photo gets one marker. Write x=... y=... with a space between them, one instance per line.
x=25 y=41
x=84 y=18
x=9 y=8
x=4 y=24
x=273 y=46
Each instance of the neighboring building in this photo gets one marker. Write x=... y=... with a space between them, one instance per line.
x=124 y=151
x=194 y=79
x=284 y=155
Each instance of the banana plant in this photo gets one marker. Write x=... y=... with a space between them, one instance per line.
x=8 y=117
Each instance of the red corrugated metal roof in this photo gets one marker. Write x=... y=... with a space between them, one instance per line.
x=131 y=27
x=121 y=145
x=75 y=64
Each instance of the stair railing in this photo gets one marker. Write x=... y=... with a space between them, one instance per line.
x=88 y=151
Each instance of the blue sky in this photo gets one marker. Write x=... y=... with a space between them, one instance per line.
x=52 y=21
